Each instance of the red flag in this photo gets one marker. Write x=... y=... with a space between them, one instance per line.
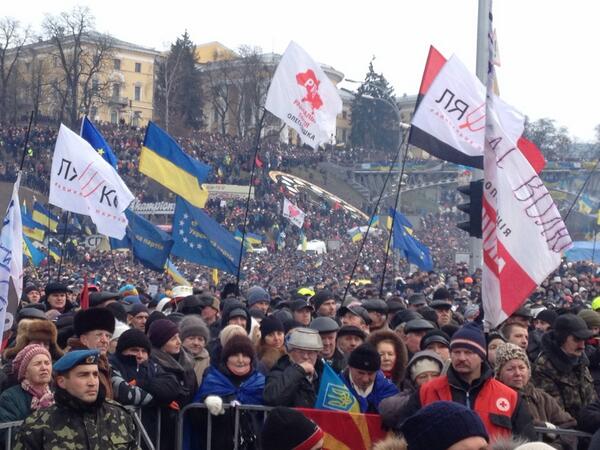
x=84 y=301
x=532 y=153
x=435 y=62
x=258 y=162
x=347 y=430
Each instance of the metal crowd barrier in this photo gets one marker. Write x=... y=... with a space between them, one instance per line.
x=142 y=434
x=236 y=430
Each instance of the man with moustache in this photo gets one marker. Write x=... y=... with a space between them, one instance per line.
x=470 y=381
x=561 y=370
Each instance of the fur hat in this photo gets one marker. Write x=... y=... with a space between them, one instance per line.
x=238 y=344
x=507 y=352
x=87 y=320
x=365 y=357
x=35 y=330
x=229 y=331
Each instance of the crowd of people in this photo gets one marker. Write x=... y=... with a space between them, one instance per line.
x=420 y=348
x=411 y=349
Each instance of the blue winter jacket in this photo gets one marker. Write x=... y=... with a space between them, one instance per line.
x=382 y=388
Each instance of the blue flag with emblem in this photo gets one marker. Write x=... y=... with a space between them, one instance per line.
x=415 y=252
x=334 y=394
x=200 y=239
x=150 y=245
x=97 y=141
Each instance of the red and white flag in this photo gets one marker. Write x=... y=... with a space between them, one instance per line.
x=449 y=122
x=524 y=235
x=293 y=213
x=303 y=97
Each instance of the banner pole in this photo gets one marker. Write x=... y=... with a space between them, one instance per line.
x=364 y=239
x=256 y=148
x=396 y=210
x=26 y=142
x=583 y=186
x=64 y=249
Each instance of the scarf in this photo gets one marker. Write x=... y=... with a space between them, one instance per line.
x=42 y=397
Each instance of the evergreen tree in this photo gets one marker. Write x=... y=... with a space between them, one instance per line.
x=374 y=122
x=179 y=86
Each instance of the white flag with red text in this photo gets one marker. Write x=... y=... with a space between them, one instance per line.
x=84 y=183
x=303 y=97
x=293 y=213
x=452 y=126
x=524 y=235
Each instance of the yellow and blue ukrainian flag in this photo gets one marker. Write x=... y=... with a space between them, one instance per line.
x=334 y=394
x=175 y=274
x=163 y=160
x=44 y=217
x=585 y=204
x=31 y=229
x=33 y=253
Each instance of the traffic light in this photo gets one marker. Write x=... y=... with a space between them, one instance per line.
x=474 y=190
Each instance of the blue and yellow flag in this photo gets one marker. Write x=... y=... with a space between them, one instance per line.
x=200 y=239
x=163 y=160
x=97 y=141
x=172 y=271
x=31 y=229
x=375 y=221
x=334 y=394
x=415 y=252
x=585 y=204
x=44 y=217
x=303 y=241
x=32 y=252
x=55 y=253
x=150 y=245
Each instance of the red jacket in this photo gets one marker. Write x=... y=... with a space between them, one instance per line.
x=495 y=403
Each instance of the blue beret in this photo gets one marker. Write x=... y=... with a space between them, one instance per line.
x=76 y=358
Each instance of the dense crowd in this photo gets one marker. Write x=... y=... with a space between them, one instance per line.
x=420 y=348
x=99 y=330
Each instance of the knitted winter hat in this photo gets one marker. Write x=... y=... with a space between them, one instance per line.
x=470 y=337
x=534 y=446
x=238 y=344
x=161 y=331
x=229 y=331
x=365 y=357
x=507 y=352
x=547 y=315
x=193 y=325
x=270 y=324
x=133 y=338
x=440 y=425
x=424 y=361
x=24 y=357
x=321 y=297
x=127 y=290
x=288 y=429
x=257 y=294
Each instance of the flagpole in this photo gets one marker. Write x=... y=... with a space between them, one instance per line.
x=583 y=186
x=362 y=242
x=64 y=249
x=256 y=148
x=594 y=247
x=396 y=208
x=26 y=142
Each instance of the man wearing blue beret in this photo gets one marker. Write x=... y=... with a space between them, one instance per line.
x=81 y=416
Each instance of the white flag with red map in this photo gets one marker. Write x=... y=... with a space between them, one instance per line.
x=293 y=213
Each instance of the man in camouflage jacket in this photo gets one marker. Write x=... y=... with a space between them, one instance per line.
x=81 y=418
x=561 y=370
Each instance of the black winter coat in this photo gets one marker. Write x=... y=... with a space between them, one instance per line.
x=287 y=385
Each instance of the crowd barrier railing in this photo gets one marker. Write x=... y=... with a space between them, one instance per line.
x=540 y=431
x=10 y=429
x=237 y=408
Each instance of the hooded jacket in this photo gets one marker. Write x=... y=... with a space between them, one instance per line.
x=566 y=379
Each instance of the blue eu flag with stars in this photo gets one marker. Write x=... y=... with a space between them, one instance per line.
x=200 y=239
x=96 y=140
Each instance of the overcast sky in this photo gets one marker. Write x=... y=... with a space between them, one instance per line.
x=548 y=48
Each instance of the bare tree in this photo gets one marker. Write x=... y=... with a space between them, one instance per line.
x=12 y=39
x=80 y=54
